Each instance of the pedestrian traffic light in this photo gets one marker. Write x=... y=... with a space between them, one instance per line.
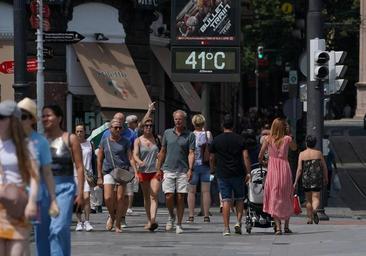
x=260 y=52
x=319 y=60
x=336 y=72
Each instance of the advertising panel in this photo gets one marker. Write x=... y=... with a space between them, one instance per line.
x=205 y=22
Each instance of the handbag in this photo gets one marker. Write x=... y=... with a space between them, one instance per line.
x=12 y=197
x=90 y=175
x=205 y=153
x=120 y=175
x=296 y=205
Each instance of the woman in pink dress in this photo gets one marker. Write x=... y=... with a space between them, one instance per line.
x=278 y=189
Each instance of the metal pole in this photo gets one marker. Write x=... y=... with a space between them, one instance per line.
x=20 y=58
x=206 y=103
x=315 y=90
x=256 y=72
x=40 y=60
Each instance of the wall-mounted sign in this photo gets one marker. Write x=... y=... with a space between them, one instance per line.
x=205 y=22
x=216 y=64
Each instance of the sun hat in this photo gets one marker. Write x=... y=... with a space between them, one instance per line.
x=28 y=105
x=9 y=108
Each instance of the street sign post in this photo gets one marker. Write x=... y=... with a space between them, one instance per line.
x=69 y=37
x=7 y=67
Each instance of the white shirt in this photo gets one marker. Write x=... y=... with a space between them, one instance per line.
x=9 y=161
x=87 y=152
x=200 y=140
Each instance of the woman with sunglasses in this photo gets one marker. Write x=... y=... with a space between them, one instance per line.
x=114 y=151
x=18 y=166
x=46 y=197
x=65 y=152
x=145 y=154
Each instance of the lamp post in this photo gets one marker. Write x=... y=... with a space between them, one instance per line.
x=21 y=86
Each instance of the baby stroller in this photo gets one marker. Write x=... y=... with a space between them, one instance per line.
x=255 y=215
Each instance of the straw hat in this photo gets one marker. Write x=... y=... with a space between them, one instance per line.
x=28 y=105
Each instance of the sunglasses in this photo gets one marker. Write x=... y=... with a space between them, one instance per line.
x=117 y=127
x=26 y=116
x=3 y=117
x=148 y=125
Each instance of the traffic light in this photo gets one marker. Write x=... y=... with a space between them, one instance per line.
x=319 y=60
x=260 y=52
x=336 y=71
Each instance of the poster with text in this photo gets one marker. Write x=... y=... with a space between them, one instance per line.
x=206 y=22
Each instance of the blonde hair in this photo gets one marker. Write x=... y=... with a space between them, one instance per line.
x=278 y=131
x=20 y=141
x=198 y=120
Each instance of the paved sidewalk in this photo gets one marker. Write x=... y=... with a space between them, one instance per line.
x=343 y=235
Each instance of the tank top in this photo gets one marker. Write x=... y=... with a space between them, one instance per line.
x=149 y=156
x=62 y=164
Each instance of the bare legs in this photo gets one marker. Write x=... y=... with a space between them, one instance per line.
x=206 y=198
x=150 y=190
x=312 y=204
x=226 y=206
x=13 y=247
x=86 y=208
x=109 y=198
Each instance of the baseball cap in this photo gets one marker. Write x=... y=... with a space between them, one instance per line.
x=10 y=108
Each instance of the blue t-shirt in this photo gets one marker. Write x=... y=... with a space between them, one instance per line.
x=42 y=149
x=119 y=153
x=126 y=133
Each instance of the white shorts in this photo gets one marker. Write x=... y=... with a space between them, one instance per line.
x=175 y=182
x=86 y=185
x=108 y=179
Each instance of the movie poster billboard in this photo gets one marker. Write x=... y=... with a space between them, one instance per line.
x=211 y=22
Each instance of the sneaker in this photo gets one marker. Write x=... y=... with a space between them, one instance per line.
x=123 y=223
x=87 y=226
x=79 y=226
x=170 y=223
x=129 y=211
x=237 y=228
x=226 y=232
x=179 y=229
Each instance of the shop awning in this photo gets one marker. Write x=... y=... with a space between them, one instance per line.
x=185 y=89
x=113 y=75
x=6 y=80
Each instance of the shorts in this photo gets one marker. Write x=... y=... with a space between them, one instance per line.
x=86 y=185
x=108 y=179
x=148 y=176
x=175 y=182
x=132 y=187
x=232 y=188
x=200 y=173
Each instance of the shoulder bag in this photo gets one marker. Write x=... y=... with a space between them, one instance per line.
x=120 y=175
x=91 y=175
x=205 y=153
x=12 y=197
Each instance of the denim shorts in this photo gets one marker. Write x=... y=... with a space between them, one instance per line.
x=232 y=188
x=200 y=173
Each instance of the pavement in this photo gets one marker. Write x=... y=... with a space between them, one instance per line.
x=343 y=234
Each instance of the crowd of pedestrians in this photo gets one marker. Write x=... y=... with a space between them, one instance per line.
x=53 y=169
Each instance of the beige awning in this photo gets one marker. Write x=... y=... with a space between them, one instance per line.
x=6 y=80
x=185 y=89
x=113 y=75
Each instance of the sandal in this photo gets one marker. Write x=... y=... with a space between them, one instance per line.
x=277 y=231
x=206 y=219
x=153 y=226
x=287 y=231
x=190 y=220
